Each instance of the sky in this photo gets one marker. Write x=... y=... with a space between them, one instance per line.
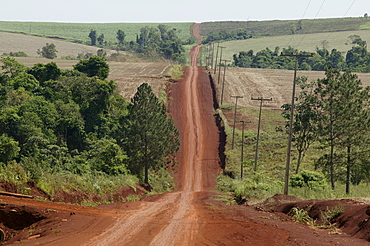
x=162 y=11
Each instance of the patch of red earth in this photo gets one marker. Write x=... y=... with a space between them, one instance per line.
x=354 y=220
x=188 y=212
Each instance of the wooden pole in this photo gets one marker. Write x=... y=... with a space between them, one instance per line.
x=258 y=131
x=287 y=167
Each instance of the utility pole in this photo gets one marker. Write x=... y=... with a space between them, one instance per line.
x=259 y=127
x=223 y=83
x=213 y=53
x=215 y=68
x=219 y=66
x=209 y=54
x=236 y=105
x=287 y=168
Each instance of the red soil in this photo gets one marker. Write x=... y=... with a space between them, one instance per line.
x=188 y=216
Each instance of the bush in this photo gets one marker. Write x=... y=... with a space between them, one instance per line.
x=301 y=216
x=310 y=179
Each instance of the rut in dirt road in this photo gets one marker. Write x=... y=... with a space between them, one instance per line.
x=173 y=218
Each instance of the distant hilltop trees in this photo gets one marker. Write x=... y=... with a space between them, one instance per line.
x=153 y=43
x=357 y=59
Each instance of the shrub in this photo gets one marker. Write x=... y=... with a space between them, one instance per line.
x=300 y=215
x=330 y=214
x=310 y=179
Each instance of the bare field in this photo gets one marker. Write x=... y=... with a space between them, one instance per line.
x=265 y=83
x=12 y=42
x=127 y=75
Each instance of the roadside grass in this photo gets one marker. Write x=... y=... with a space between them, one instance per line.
x=98 y=184
x=80 y=31
x=94 y=184
x=269 y=178
x=161 y=181
x=175 y=72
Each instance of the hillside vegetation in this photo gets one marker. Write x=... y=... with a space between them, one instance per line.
x=309 y=42
x=303 y=35
x=269 y=178
x=71 y=130
x=79 y=32
x=283 y=27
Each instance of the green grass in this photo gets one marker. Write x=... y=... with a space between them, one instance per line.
x=282 y=27
x=365 y=26
x=269 y=178
x=80 y=31
x=309 y=42
x=175 y=72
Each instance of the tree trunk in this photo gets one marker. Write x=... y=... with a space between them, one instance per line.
x=146 y=173
x=331 y=157
x=348 y=179
x=298 y=162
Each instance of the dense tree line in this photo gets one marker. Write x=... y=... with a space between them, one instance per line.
x=153 y=43
x=226 y=35
x=333 y=113
x=75 y=121
x=357 y=59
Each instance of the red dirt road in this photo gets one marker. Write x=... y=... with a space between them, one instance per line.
x=188 y=216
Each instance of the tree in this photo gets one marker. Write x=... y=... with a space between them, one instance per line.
x=45 y=72
x=342 y=119
x=92 y=96
x=152 y=138
x=8 y=148
x=121 y=36
x=304 y=128
x=48 y=51
x=94 y=66
x=101 y=39
x=293 y=29
x=106 y=155
x=25 y=80
x=92 y=36
x=11 y=66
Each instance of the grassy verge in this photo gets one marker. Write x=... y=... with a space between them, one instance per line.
x=175 y=72
x=269 y=178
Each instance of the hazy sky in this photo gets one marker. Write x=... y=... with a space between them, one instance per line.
x=176 y=10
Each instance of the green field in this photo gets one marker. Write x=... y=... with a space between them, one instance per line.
x=308 y=42
x=282 y=27
x=80 y=31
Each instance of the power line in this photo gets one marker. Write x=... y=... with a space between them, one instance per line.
x=301 y=20
x=287 y=168
x=341 y=19
x=312 y=23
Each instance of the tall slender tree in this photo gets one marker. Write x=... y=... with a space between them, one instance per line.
x=152 y=137
x=341 y=107
x=93 y=37
x=121 y=36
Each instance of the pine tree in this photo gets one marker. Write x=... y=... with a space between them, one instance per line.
x=152 y=137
